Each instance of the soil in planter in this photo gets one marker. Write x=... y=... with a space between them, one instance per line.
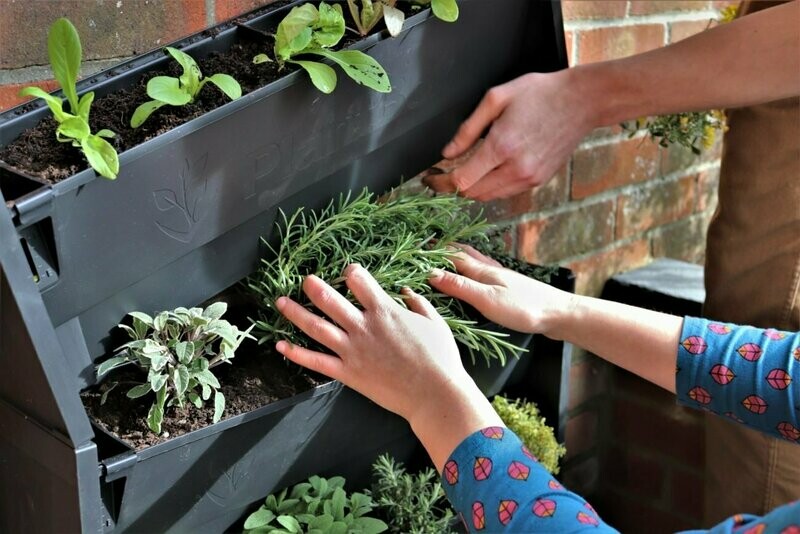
x=254 y=379
x=37 y=153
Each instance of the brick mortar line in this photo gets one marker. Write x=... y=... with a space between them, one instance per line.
x=211 y=12
x=37 y=73
x=610 y=194
x=636 y=20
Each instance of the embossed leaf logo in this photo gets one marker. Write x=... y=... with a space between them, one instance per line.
x=182 y=205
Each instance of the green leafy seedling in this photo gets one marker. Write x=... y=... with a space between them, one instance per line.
x=308 y=30
x=178 y=349
x=64 y=50
x=446 y=10
x=166 y=90
x=368 y=13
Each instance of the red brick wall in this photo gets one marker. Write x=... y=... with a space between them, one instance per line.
x=618 y=203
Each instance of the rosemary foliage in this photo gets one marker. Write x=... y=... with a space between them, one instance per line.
x=399 y=241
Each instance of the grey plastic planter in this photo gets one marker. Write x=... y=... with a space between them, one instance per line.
x=180 y=224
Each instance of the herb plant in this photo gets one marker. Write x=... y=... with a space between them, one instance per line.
x=319 y=506
x=368 y=13
x=178 y=349
x=399 y=241
x=166 y=90
x=412 y=504
x=696 y=130
x=523 y=418
x=308 y=30
x=64 y=51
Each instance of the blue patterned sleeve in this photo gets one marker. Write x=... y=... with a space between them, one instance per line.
x=742 y=373
x=496 y=485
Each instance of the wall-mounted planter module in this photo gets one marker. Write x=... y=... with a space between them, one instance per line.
x=179 y=225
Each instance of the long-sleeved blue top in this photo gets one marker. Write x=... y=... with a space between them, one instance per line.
x=739 y=372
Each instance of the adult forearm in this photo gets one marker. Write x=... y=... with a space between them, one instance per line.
x=750 y=60
x=642 y=341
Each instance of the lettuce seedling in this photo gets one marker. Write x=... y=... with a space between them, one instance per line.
x=370 y=12
x=177 y=349
x=166 y=90
x=446 y=10
x=64 y=51
x=308 y=30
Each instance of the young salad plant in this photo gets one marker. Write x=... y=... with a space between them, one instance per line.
x=446 y=10
x=178 y=349
x=166 y=90
x=64 y=51
x=308 y=30
x=368 y=13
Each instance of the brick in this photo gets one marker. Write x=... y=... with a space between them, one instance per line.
x=680 y=30
x=684 y=240
x=588 y=380
x=571 y=233
x=648 y=207
x=707 y=187
x=9 y=97
x=569 y=43
x=613 y=165
x=581 y=433
x=228 y=9
x=686 y=493
x=597 y=9
x=670 y=431
x=629 y=470
x=552 y=193
x=104 y=27
x=612 y=43
x=650 y=7
x=591 y=273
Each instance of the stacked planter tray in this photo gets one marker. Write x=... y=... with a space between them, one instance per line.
x=180 y=224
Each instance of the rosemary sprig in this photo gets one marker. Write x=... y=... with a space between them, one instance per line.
x=399 y=241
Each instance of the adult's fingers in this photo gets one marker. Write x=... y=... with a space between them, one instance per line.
x=316 y=361
x=315 y=326
x=365 y=288
x=441 y=183
x=491 y=107
x=475 y=269
x=473 y=253
x=419 y=304
x=461 y=287
x=502 y=182
x=478 y=165
x=332 y=304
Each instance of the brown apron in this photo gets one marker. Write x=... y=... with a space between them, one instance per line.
x=752 y=275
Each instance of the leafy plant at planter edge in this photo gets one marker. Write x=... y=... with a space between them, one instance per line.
x=166 y=90
x=370 y=12
x=310 y=30
x=446 y=10
x=64 y=51
x=178 y=349
x=319 y=506
x=524 y=419
x=412 y=504
x=399 y=241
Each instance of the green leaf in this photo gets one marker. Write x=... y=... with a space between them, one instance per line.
x=394 y=19
x=226 y=84
x=261 y=58
x=206 y=391
x=338 y=501
x=259 y=519
x=322 y=76
x=74 y=128
x=360 y=67
x=53 y=102
x=168 y=90
x=111 y=363
x=370 y=525
x=101 y=156
x=180 y=377
x=339 y=527
x=219 y=405
x=290 y=523
x=294 y=31
x=106 y=133
x=158 y=382
x=156 y=415
x=143 y=112
x=446 y=10
x=64 y=50
x=85 y=105
x=139 y=391
x=142 y=317
x=195 y=399
x=207 y=377
x=215 y=310
x=190 y=79
x=104 y=396
x=160 y=321
x=329 y=29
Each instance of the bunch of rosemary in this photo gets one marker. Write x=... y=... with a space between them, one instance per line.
x=399 y=241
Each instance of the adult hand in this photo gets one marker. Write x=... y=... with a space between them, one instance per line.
x=536 y=122
x=502 y=295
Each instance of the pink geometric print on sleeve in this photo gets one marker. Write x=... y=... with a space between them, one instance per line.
x=544 y=507
x=505 y=511
x=755 y=404
x=719 y=329
x=750 y=352
x=478 y=516
x=451 y=472
x=518 y=470
x=694 y=345
x=778 y=379
x=482 y=468
x=700 y=395
x=722 y=374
